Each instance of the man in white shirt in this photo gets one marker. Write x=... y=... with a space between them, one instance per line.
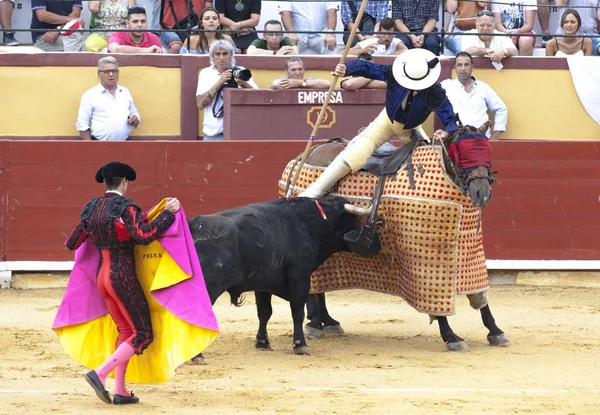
x=107 y=111
x=478 y=42
x=211 y=81
x=310 y=16
x=471 y=98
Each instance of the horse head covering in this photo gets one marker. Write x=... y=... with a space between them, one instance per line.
x=416 y=69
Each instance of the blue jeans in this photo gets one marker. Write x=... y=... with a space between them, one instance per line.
x=453 y=42
x=595 y=45
x=218 y=137
x=432 y=42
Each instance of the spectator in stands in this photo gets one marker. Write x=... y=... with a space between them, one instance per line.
x=107 y=111
x=241 y=17
x=382 y=43
x=176 y=14
x=138 y=41
x=109 y=15
x=570 y=22
x=294 y=70
x=517 y=18
x=374 y=12
x=494 y=47
x=465 y=13
x=471 y=98
x=6 y=10
x=53 y=15
x=200 y=41
x=310 y=16
x=273 y=42
x=589 y=11
x=352 y=83
x=543 y=13
x=422 y=16
x=211 y=81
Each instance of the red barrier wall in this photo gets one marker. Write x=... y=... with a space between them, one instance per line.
x=545 y=208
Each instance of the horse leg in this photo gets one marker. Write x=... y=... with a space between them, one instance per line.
x=265 y=311
x=330 y=325
x=453 y=342
x=496 y=337
x=314 y=328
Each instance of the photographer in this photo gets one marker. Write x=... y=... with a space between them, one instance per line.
x=222 y=73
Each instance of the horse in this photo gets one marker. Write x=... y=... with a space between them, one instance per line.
x=466 y=161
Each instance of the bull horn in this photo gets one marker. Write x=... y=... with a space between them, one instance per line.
x=355 y=210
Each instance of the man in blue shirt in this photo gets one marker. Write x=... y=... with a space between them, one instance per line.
x=53 y=15
x=412 y=94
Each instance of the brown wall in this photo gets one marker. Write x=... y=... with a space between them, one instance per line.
x=545 y=208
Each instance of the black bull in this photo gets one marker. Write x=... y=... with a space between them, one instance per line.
x=270 y=248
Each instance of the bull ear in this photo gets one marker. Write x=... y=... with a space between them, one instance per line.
x=355 y=210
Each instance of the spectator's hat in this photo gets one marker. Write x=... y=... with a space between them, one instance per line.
x=115 y=169
x=70 y=28
x=416 y=69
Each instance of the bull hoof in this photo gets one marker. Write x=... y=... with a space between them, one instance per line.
x=458 y=347
x=262 y=344
x=198 y=360
x=335 y=330
x=312 y=333
x=302 y=350
x=499 y=340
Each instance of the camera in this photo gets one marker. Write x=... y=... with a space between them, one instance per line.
x=239 y=73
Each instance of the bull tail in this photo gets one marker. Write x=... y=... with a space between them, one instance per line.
x=237 y=299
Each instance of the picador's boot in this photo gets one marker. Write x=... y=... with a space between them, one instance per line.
x=336 y=170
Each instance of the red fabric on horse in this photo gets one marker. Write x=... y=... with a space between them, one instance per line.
x=471 y=152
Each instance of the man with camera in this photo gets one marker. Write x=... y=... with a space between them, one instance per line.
x=222 y=73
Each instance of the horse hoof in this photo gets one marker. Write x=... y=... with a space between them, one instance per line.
x=198 y=360
x=335 y=330
x=302 y=350
x=262 y=344
x=499 y=340
x=312 y=333
x=458 y=347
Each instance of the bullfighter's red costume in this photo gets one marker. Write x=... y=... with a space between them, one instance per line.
x=114 y=224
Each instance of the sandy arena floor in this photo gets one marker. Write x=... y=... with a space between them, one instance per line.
x=391 y=361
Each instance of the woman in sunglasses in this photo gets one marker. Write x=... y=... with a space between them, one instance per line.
x=570 y=23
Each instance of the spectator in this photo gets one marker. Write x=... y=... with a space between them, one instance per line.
x=310 y=16
x=589 y=11
x=242 y=16
x=382 y=44
x=543 y=13
x=211 y=81
x=6 y=9
x=273 y=42
x=52 y=15
x=107 y=111
x=471 y=98
x=570 y=22
x=176 y=12
x=201 y=41
x=138 y=41
x=517 y=18
x=421 y=16
x=374 y=12
x=108 y=15
x=465 y=13
x=352 y=83
x=294 y=69
x=494 y=47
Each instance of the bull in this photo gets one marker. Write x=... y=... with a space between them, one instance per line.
x=271 y=248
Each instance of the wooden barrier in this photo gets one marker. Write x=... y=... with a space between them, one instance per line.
x=545 y=208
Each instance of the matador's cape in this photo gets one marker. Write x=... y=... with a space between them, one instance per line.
x=183 y=322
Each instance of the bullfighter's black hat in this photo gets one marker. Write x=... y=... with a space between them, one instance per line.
x=115 y=169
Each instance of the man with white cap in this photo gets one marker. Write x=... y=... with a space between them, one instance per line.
x=412 y=94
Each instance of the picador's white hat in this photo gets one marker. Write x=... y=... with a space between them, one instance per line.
x=416 y=69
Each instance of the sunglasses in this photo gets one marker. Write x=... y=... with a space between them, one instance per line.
x=135 y=6
x=485 y=13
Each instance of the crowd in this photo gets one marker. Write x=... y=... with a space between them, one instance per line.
x=308 y=27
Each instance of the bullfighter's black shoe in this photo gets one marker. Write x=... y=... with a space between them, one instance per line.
x=124 y=400
x=94 y=381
